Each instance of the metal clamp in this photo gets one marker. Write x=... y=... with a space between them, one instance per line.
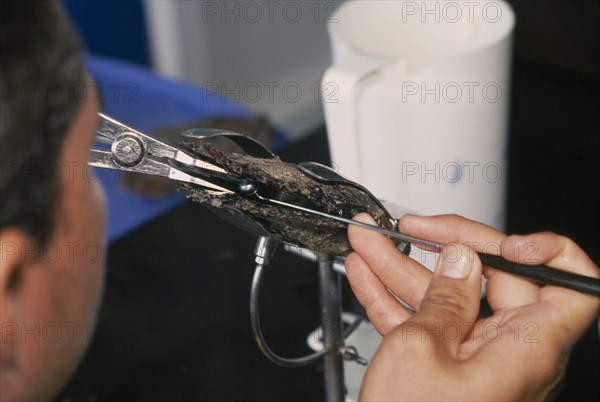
x=349 y=353
x=128 y=149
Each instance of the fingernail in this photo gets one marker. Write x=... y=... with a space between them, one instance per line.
x=365 y=218
x=459 y=269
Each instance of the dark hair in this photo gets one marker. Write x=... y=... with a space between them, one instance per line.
x=41 y=79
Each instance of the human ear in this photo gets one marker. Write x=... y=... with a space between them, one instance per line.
x=12 y=262
x=12 y=243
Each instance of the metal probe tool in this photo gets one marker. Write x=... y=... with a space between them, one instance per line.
x=539 y=273
x=134 y=151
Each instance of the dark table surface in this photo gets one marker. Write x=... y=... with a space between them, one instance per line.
x=174 y=325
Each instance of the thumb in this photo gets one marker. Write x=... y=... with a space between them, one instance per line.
x=451 y=303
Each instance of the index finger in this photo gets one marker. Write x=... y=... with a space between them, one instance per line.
x=444 y=229
x=574 y=308
x=405 y=277
x=504 y=291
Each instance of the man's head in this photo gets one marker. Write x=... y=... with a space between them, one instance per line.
x=51 y=209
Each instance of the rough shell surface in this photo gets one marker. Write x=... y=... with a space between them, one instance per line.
x=287 y=182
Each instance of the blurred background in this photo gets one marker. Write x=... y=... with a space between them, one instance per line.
x=248 y=51
x=174 y=324
x=233 y=47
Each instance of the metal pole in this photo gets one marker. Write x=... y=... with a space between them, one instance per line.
x=331 y=322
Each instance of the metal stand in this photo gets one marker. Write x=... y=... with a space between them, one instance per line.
x=334 y=350
x=331 y=323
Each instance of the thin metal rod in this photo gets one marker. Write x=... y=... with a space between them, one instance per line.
x=331 y=324
x=538 y=273
x=388 y=232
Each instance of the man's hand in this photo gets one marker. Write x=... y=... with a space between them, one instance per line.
x=443 y=352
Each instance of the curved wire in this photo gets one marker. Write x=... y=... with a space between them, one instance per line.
x=264 y=251
x=258 y=335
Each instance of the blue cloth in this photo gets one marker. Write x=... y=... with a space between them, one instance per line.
x=112 y=28
x=146 y=101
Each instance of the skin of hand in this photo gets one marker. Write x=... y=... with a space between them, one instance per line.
x=444 y=351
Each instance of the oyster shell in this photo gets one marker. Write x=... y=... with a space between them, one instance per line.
x=287 y=182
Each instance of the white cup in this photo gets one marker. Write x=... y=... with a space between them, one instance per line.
x=416 y=103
